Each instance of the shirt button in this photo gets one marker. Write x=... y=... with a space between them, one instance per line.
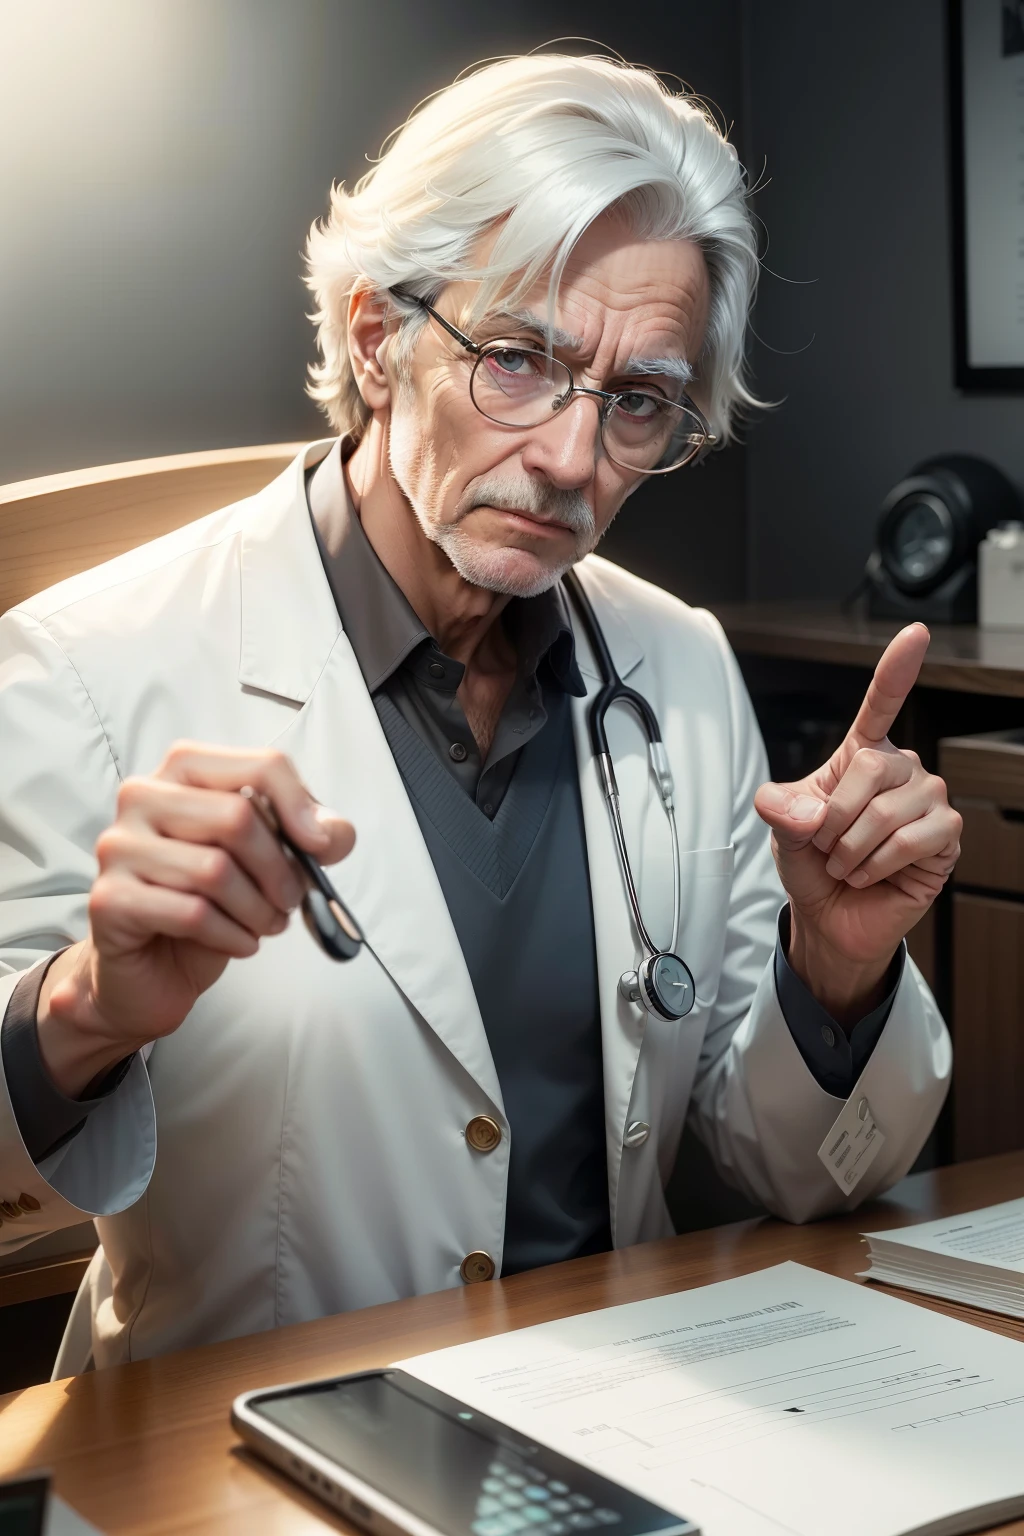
x=488 y=809
x=457 y=752
x=637 y=1132
x=477 y=1266
x=436 y=669
x=483 y=1133
x=828 y=1035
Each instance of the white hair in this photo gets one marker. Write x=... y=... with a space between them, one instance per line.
x=542 y=144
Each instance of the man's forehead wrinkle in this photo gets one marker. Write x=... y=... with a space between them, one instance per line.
x=527 y=320
x=567 y=341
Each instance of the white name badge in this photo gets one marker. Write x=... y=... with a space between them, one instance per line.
x=852 y=1144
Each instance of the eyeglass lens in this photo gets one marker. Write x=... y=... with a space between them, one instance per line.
x=517 y=387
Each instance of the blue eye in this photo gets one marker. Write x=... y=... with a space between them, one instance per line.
x=512 y=360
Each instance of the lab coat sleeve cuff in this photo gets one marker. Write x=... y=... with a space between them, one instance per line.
x=780 y=1115
x=46 y=1117
x=102 y=1171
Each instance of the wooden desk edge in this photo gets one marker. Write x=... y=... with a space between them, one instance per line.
x=45 y=1277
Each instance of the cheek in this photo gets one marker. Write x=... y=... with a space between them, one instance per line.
x=610 y=491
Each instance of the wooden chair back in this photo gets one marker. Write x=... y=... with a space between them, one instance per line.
x=62 y=524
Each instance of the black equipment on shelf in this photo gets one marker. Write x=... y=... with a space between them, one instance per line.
x=924 y=563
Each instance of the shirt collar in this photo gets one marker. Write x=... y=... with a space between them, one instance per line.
x=378 y=618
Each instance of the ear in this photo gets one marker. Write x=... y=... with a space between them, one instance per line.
x=366 y=337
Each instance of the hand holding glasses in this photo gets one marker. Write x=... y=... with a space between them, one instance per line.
x=323 y=911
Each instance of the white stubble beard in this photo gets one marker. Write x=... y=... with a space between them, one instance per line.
x=493 y=568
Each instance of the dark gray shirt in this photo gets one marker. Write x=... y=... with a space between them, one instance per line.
x=395 y=653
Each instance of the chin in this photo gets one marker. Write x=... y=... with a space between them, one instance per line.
x=512 y=572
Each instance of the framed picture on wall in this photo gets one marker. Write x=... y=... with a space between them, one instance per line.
x=986 y=78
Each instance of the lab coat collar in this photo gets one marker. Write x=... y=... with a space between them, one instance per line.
x=289 y=619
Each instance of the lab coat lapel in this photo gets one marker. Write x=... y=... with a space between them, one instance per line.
x=293 y=645
x=616 y=940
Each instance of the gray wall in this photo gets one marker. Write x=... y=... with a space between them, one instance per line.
x=847 y=104
x=163 y=162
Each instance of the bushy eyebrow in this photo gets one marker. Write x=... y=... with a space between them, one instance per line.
x=525 y=320
x=673 y=367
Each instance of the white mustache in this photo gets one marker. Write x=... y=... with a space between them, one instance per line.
x=547 y=502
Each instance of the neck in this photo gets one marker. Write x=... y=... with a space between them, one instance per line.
x=462 y=618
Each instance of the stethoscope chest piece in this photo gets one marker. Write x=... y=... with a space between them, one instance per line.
x=663 y=985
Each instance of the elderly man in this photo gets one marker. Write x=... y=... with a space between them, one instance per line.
x=533 y=302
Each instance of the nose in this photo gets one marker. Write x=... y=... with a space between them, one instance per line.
x=566 y=448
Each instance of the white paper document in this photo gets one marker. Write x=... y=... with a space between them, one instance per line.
x=976 y=1258
x=785 y=1401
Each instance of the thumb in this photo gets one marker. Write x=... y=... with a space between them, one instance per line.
x=341 y=835
x=793 y=814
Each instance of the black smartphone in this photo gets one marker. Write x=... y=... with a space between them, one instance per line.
x=23 y=1502
x=394 y=1455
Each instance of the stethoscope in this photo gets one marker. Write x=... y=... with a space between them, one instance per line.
x=662 y=982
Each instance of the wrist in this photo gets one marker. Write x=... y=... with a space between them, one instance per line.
x=846 y=989
x=76 y=1044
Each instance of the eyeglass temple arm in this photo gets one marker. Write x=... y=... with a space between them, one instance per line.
x=412 y=298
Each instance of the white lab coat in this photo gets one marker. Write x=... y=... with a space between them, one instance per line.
x=310 y=1116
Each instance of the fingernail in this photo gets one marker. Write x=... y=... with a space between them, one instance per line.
x=280 y=923
x=324 y=817
x=857 y=877
x=774 y=797
x=805 y=808
x=310 y=818
x=823 y=841
x=834 y=868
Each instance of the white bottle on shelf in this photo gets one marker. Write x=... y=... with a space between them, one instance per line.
x=1001 y=577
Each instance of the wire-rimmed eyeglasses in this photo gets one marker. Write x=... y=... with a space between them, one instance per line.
x=516 y=385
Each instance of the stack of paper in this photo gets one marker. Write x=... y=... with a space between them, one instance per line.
x=976 y=1259
x=783 y=1403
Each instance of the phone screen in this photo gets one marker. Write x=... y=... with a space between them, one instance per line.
x=454 y=1468
x=23 y=1506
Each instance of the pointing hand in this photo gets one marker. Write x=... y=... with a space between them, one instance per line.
x=863 y=845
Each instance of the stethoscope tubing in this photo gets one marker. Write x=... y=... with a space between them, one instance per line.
x=615 y=691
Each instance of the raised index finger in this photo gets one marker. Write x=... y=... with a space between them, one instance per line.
x=895 y=675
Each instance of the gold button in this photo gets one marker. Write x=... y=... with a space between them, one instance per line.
x=29 y=1203
x=477 y=1266
x=10 y=1210
x=483 y=1133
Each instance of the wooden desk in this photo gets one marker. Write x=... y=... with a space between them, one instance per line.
x=147 y=1448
